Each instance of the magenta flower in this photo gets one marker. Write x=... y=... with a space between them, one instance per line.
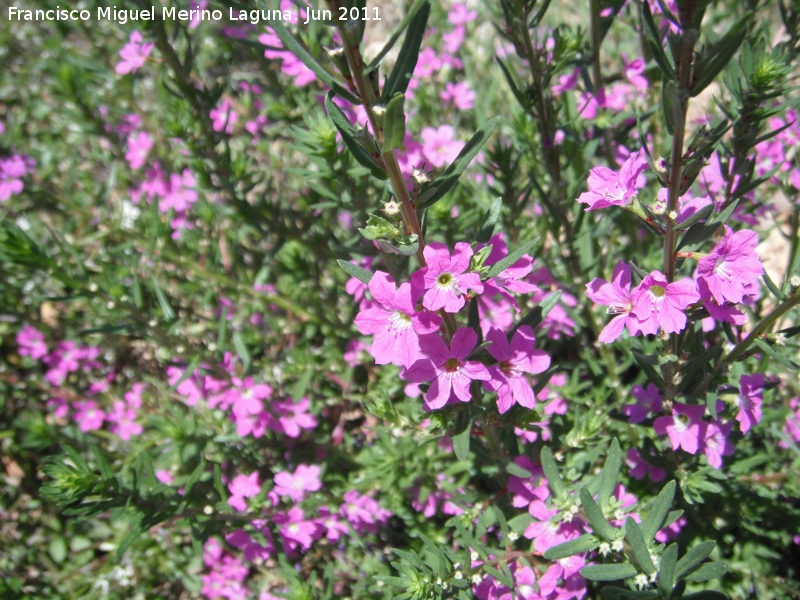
x=12 y=170
x=223 y=117
x=30 y=342
x=609 y=188
x=616 y=295
x=683 y=426
x=460 y=15
x=730 y=267
x=447 y=368
x=445 y=279
x=394 y=322
x=296 y=530
x=647 y=401
x=249 y=546
x=638 y=467
x=181 y=194
x=88 y=416
x=459 y=94
x=751 y=393
x=124 y=419
x=295 y=485
x=657 y=303
x=134 y=54
x=439 y=146
x=139 y=146
x=511 y=279
x=715 y=442
x=243 y=486
x=293 y=417
x=514 y=360
x=363 y=512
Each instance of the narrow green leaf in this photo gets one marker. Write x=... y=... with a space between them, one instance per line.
x=666 y=570
x=489 y=221
x=501 y=577
x=538 y=313
x=194 y=477
x=448 y=179
x=707 y=571
x=512 y=84
x=517 y=471
x=509 y=260
x=359 y=273
x=341 y=122
x=693 y=557
x=520 y=523
x=395 y=35
x=57 y=549
x=719 y=55
x=778 y=356
x=554 y=481
x=584 y=543
x=398 y=79
x=658 y=512
x=654 y=41
x=596 y=518
x=608 y=476
x=640 y=552
x=463 y=426
x=701 y=214
x=295 y=47
x=166 y=309
x=646 y=365
x=772 y=287
x=394 y=123
x=241 y=350
x=608 y=572
x=671 y=102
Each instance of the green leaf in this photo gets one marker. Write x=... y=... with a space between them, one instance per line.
x=646 y=363
x=489 y=221
x=673 y=109
x=398 y=79
x=520 y=523
x=194 y=477
x=584 y=543
x=710 y=63
x=615 y=593
x=608 y=476
x=341 y=122
x=705 y=595
x=501 y=577
x=538 y=313
x=778 y=356
x=666 y=570
x=463 y=426
x=707 y=571
x=394 y=123
x=166 y=309
x=640 y=552
x=509 y=260
x=359 y=273
x=514 y=469
x=658 y=512
x=697 y=234
x=57 y=549
x=608 y=572
x=693 y=557
x=654 y=41
x=296 y=48
x=241 y=350
x=448 y=179
x=701 y=214
x=596 y=518
x=554 y=481
x=395 y=35
x=772 y=287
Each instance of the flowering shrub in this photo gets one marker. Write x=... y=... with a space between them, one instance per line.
x=308 y=301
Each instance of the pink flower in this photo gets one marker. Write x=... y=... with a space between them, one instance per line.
x=683 y=427
x=12 y=170
x=224 y=117
x=293 y=417
x=634 y=72
x=394 y=322
x=460 y=15
x=30 y=342
x=514 y=360
x=88 y=416
x=657 y=303
x=181 y=194
x=511 y=279
x=295 y=485
x=459 y=94
x=60 y=407
x=751 y=393
x=134 y=54
x=616 y=296
x=447 y=367
x=296 y=530
x=730 y=267
x=138 y=148
x=566 y=82
x=639 y=467
x=439 y=146
x=609 y=188
x=124 y=419
x=363 y=512
x=647 y=401
x=445 y=279
x=715 y=442
x=243 y=486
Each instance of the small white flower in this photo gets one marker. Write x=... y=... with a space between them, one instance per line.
x=795 y=280
x=640 y=581
x=378 y=111
x=513 y=536
x=617 y=546
x=604 y=549
x=473 y=555
x=476 y=579
x=208 y=509
x=458 y=575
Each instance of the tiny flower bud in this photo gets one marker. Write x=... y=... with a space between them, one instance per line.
x=420 y=177
x=379 y=111
x=640 y=581
x=391 y=208
x=208 y=509
x=604 y=549
x=476 y=579
x=794 y=280
x=513 y=536
x=617 y=546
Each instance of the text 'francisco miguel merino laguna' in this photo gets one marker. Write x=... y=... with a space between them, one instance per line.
x=122 y=16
